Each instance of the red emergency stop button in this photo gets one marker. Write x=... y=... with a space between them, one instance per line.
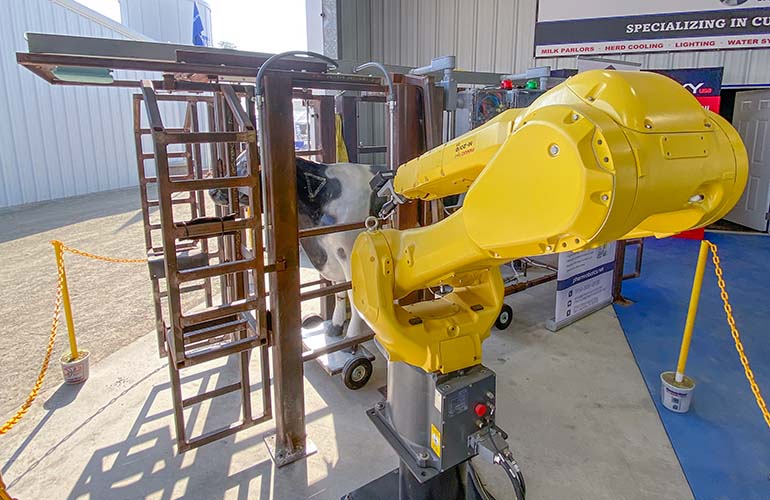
x=480 y=409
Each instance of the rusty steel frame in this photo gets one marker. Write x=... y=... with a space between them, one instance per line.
x=188 y=334
x=228 y=328
x=195 y=202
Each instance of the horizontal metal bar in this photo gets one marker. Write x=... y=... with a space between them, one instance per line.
x=178 y=98
x=372 y=149
x=518 y=287
x=174 y=201
x=212 y=229
x=237 y=306
x=212 y=436
x=371 y=98
x=323 y=292
x=173 y=178
x=148 y=131
x=222 y=351
x=308 y=152
x=214 y=330
x=164 y=137
x=247 y=60
x=336 y=346
x=200 y=273
x=199 y=398
x=172 y=154
x=313 y=283
x=213 y=183
x=337 y=228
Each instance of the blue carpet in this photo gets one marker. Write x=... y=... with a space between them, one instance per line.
x=723 y=443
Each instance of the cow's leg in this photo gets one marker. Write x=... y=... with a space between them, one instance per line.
x=338 y=317
x=343 y=257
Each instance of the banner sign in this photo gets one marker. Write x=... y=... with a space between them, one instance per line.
x=569 y=28
x=704 y=83
x=584 y=284
x=587 y=63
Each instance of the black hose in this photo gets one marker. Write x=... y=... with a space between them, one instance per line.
x=478 y=484
x=513 y=478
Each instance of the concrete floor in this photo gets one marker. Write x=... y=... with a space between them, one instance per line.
x=581 y=422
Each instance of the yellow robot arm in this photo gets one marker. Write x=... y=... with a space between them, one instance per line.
x=606 y=155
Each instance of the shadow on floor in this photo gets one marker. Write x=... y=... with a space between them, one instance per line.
x=26 y=220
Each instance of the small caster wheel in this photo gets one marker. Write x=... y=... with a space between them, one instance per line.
x=504 y=318
x=356 y=373
x=312 y=321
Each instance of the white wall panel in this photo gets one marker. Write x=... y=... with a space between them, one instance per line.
x=58 y=141
x=494 y=35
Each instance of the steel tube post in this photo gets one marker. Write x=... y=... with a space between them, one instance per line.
x=692 y=311
x=277 y=149
x=65 y=297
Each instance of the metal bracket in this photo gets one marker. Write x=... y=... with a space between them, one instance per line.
x=282 y=458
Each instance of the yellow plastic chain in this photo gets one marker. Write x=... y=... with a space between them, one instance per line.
x=8 y=425
x=100 y=257
x=736 y=335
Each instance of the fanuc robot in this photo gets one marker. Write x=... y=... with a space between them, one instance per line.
x=606 y=155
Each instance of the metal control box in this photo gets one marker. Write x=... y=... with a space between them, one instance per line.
x=456 y=402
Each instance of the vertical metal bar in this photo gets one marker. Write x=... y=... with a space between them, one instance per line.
x=200 y=195
x=617 y=274
x=328 y=125
x=167 y=222
x=348 y=106
x=256 y=208
x=407 y=145
x=176 y=396
x=280 y=168
x=160 y=327
x=215 y=125
x=141 y=171
x=328 y=129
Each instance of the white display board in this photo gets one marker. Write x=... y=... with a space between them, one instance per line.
x=590 y=27
x=583 y=284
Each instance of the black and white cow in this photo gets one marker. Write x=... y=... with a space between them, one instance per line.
x=328 y=194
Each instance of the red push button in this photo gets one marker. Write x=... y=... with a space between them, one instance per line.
x=480 y=409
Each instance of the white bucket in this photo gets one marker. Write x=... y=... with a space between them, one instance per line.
x=76 y=371
x=676 y=396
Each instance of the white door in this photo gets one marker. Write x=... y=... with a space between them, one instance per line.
x=751 y=118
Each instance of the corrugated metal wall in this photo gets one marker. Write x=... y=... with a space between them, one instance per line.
x=58 y=141
x=493 y=35
x=165 y=20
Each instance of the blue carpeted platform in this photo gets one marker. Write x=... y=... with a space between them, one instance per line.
x=723 y=443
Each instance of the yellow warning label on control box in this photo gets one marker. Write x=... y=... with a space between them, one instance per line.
x=435 y=440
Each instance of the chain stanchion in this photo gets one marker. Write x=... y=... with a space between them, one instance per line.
x=3 y=491
x=60 y=302
x=736 y=335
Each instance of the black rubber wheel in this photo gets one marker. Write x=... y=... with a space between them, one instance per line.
x=504 y=318
x=356 y=373
x=311 y=321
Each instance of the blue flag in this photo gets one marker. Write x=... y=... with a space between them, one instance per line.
x=199 y=36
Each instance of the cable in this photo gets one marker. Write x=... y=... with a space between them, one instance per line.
x=511 y=468
x=485 y=495
x=517 y=488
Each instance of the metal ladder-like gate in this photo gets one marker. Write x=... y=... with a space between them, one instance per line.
x=236 y=322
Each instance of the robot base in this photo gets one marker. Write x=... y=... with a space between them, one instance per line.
x=400 y=484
